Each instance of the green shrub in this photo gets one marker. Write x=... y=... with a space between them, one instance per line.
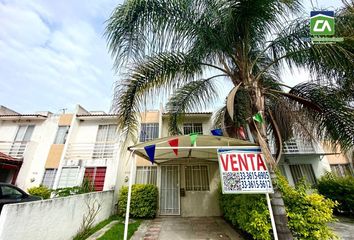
x=41 y=191
x=308 y=213
x=85 y=187
x=340 y=189
x=143 y=203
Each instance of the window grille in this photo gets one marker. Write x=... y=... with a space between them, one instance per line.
x=197 y=178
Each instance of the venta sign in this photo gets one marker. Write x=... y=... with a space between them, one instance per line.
x=244 y=170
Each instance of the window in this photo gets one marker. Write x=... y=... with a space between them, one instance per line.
x=49 y=176
x=23 y=135
x=62 y=133
x=149 y=131
x=197 y=178
x=282 y=170
x=104 y=146
x=96 y=176
x=303 y=171
x=68 y=177
x=192 y=128
x=106 y=133
x=146 y=175
x=341 y=170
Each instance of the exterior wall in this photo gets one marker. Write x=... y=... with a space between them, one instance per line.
x=319 y=164
x=205 y=119
x=337 y=157
x=201 y=203
x=37 y=148
x=65 y=119
x=55 y=219
x=54 y=155
x=150 y=117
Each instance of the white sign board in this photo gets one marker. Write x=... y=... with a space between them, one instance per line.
x=244 y=170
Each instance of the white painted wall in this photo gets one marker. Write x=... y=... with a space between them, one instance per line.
x=37 y=149
x=54 y=219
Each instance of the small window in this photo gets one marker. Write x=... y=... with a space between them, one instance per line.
x=192 y=128
x=146 y=175
x=149 y=131
x=341 y=170
x=197 y=178
x=301 y=171
x=62 y=134
x=48 y=178
x=96 y=175
x=68 y=177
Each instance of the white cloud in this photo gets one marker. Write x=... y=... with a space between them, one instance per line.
x=53 y=55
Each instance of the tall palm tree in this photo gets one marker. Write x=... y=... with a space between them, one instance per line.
x=183 y=48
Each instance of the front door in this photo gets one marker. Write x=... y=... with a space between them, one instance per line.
x=169 y=191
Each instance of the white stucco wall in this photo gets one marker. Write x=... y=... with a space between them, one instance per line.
x=54 y=219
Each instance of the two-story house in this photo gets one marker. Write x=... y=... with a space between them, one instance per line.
x=189 y=186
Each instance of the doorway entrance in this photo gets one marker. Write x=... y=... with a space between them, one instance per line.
x=169 y=190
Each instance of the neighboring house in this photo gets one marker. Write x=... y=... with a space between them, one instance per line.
x=58 y=150
x=189 y=187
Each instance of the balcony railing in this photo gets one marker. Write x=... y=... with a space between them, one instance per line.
x=91 y=151
x=14 y=149
x=295 y=146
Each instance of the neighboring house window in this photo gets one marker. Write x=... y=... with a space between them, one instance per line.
x=104 y=146
x=192 y=128
x=49 y=176
x=282 y=170
x=197 y=178
x=341 y=170
x=149 y=131
x=146 y=175
x=23 y=135
x=96 y=175
x=62 y=133
x=68 y=177
x=301 y=171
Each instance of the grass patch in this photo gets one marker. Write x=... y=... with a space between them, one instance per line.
x=117 y=231
x=88 y=233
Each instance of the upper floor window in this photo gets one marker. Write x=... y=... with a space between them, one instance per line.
x=106 y=133
x=149 y=131
x=192 y=128
x=62 y=133
x=24 y=133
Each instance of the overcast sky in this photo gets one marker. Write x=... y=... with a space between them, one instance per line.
x=53 y=54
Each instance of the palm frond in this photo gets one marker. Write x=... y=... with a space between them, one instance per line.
x=331 y=120
x=193 y=96
x=161 y=73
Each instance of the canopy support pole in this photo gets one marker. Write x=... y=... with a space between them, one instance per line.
x=275 y=234
x=129 y=195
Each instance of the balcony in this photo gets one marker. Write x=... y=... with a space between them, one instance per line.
x=295 y=146
x=14 y=149
x=91 y=151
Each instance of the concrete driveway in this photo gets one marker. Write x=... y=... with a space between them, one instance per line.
x=178 y=228
x=344 y=228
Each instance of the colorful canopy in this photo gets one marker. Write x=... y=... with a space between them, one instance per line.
x=205 y=147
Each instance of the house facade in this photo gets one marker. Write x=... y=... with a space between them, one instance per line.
x=58 y=150
x=61 y=150
x=189 y=187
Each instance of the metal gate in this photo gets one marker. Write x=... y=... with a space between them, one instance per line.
x=169 y=191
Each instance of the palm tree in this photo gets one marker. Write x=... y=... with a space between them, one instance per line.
x=184 y=47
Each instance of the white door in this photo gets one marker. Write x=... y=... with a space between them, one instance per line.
x=169 y=191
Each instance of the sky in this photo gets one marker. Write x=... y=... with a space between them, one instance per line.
x=53 y=54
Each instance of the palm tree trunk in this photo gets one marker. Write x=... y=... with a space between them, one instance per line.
x=277 y=202
x=279 y=211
